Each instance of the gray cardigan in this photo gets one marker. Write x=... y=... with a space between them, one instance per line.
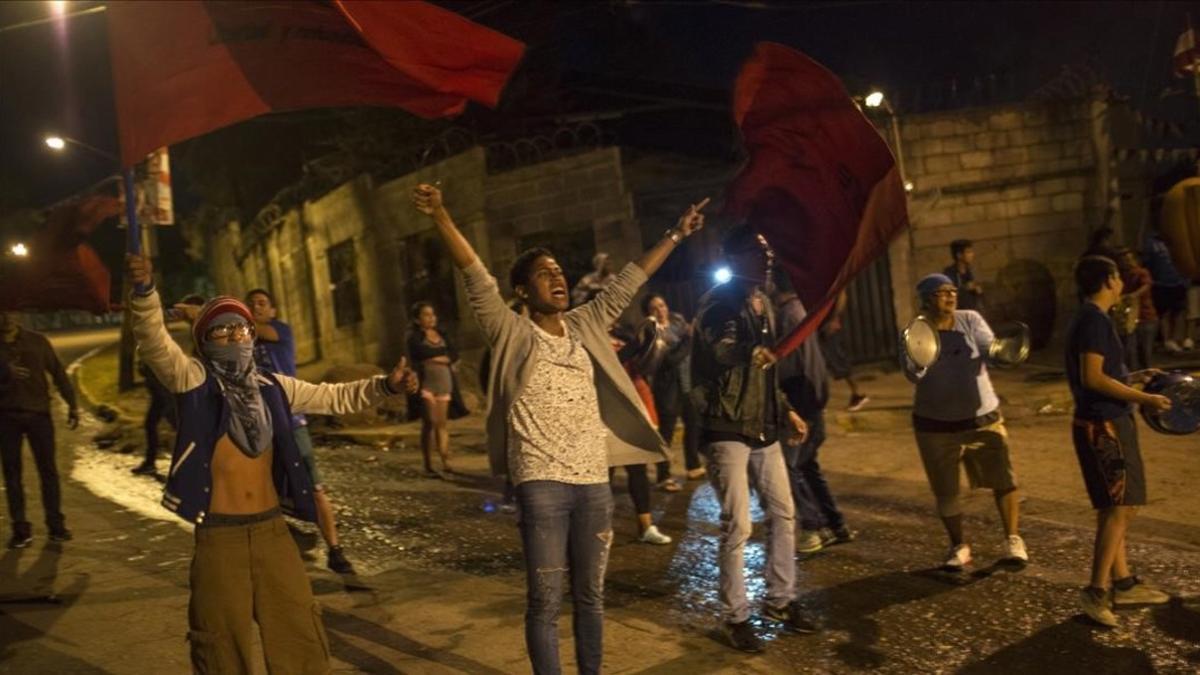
x=632 y=439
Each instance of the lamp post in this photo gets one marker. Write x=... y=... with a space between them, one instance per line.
x=133 y=244
x=876 y=99
x=59 y=144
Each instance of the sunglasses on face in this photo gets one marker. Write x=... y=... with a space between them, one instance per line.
x=238 y=332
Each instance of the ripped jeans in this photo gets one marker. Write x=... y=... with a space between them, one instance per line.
x=565 y=529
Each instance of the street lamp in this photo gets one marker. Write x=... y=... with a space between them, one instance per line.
x=59 y=143
x=20 y=250
x=876 y=99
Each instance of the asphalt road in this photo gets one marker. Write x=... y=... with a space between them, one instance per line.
x=441 y=582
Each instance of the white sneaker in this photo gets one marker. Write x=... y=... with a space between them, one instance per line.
x=957 y=558
x=1014 y=548
x=1172 y=346
x=653 y=536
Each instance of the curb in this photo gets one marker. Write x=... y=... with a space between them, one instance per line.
x=82 y=392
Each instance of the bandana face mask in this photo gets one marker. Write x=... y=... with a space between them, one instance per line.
x=232 y=359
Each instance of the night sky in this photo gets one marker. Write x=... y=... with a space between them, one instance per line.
x=56 y=77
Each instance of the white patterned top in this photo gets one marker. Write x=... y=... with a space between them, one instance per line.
x=554 y=427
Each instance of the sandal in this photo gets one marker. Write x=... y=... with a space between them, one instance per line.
x=669 y=485
x=697 y=474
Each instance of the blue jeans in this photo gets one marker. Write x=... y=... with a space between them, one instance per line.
x=565 y=528
x=815 y=504
x=733 y=468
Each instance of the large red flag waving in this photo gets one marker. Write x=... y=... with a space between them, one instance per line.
x=61 y=271
x=187 y=67
x=821 y=184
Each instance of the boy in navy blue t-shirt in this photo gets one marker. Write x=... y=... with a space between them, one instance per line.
x=1105 y=437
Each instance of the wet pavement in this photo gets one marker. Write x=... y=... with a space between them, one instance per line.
x=440 y=584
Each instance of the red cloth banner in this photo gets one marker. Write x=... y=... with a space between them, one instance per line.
x=821 y=184
x=187 y=67
x=61 y=271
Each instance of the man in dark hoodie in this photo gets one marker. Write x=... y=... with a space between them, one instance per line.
x=234 y=471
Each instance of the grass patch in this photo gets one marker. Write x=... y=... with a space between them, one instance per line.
x=99 y=375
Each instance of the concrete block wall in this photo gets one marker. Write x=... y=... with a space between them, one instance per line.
x=581 y=191
x=1020 y=181
x=584 y=190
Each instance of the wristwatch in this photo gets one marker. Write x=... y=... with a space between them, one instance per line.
x=674 y=235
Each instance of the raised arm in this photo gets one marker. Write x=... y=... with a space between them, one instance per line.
x=177 y=371
x=494 y=316
x=691 y=221
x=428 y=200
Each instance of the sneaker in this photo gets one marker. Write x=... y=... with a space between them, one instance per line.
x=1140 y=593
x=1094 y=602
x=337 y=561
x=792 y=617
x=809 y=542
x=144 y=469
x=61 y=534
x=1172 y=346
x=20 y=540
x=857 y=402
x=742 y=637
x=957 y=558
x=653 y=536
x=844 y=535
x=1014 y=548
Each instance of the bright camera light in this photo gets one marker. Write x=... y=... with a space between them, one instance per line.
x=19 y=250
x=55 y=142
x=722 y=275
x=874 y=99
x=57 y=7
x=908 y=186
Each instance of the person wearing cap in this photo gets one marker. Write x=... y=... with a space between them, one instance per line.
x=744 y=414
x=957 y=420
x=234 y=471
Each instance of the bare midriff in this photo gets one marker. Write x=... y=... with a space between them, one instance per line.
x=240 y=484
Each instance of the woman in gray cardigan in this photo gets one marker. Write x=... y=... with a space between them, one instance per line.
x=561 y=410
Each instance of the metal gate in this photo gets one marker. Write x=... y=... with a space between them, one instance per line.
x=870 y=319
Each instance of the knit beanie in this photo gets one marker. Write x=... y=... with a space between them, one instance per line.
x=222 y=304
x=931 y=282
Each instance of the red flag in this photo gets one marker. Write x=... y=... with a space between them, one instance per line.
x=184 y=68
x=821 y=184
x=61 y=271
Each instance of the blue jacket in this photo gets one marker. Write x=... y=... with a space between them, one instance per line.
x=204 y=418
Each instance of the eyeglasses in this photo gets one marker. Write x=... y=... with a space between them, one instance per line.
x=238 y=332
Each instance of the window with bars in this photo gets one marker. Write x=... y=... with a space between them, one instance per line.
x=343 y=277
